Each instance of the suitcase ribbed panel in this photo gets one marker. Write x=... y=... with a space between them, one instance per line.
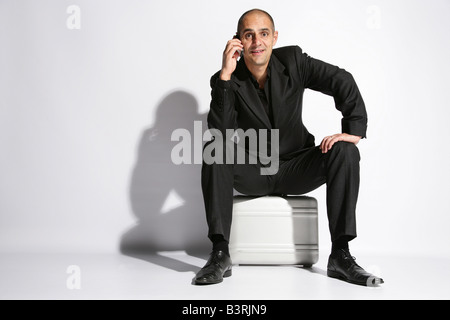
x=274 y=230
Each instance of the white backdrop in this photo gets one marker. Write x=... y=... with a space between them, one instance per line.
x=90 y=95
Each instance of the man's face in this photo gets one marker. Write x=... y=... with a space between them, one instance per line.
x=258 y=39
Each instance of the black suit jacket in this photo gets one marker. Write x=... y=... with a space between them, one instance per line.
x=236 y=104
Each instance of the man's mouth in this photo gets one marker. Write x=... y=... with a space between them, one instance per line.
x=257 y=51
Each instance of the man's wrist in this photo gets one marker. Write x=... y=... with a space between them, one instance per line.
x=224 y=76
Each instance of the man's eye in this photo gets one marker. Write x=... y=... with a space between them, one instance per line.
x=248 y=35
x=265 y=34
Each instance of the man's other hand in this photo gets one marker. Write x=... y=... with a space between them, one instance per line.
x=328 y=142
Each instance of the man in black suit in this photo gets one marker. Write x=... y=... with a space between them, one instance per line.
x=264 y=90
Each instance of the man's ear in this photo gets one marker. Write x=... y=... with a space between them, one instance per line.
x=275 y=38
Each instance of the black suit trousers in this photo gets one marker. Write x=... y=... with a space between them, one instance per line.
x=338 y=169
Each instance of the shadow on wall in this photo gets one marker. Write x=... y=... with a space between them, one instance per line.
x=167 y=198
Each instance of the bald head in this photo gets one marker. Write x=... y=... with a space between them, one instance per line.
x=256 y=12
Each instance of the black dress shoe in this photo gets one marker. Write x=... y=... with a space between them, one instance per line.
x=217 y=267
x=342 y=265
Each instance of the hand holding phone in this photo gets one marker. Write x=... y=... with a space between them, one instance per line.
x=231 y=54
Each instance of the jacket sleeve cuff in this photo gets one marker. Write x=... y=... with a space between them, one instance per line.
x=356 y=128
x=223 y=84
x=220 y=92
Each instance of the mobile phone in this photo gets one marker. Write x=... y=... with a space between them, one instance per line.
x=241 y=52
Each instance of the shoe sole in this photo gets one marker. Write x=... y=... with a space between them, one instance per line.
x=225 y=275
x=337 y=275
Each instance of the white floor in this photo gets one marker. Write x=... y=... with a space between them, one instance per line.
x=168 y=275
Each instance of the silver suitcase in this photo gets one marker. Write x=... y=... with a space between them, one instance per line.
x=273 y=230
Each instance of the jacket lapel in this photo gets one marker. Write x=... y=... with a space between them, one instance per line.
x=248 y=93
x=278 y=85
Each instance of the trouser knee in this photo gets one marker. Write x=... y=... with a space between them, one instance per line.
x=346 y=152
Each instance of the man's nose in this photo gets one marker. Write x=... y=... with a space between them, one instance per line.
x=256 y=40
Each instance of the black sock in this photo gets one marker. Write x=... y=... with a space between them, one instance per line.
x=220 y=244
x=341 y=243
